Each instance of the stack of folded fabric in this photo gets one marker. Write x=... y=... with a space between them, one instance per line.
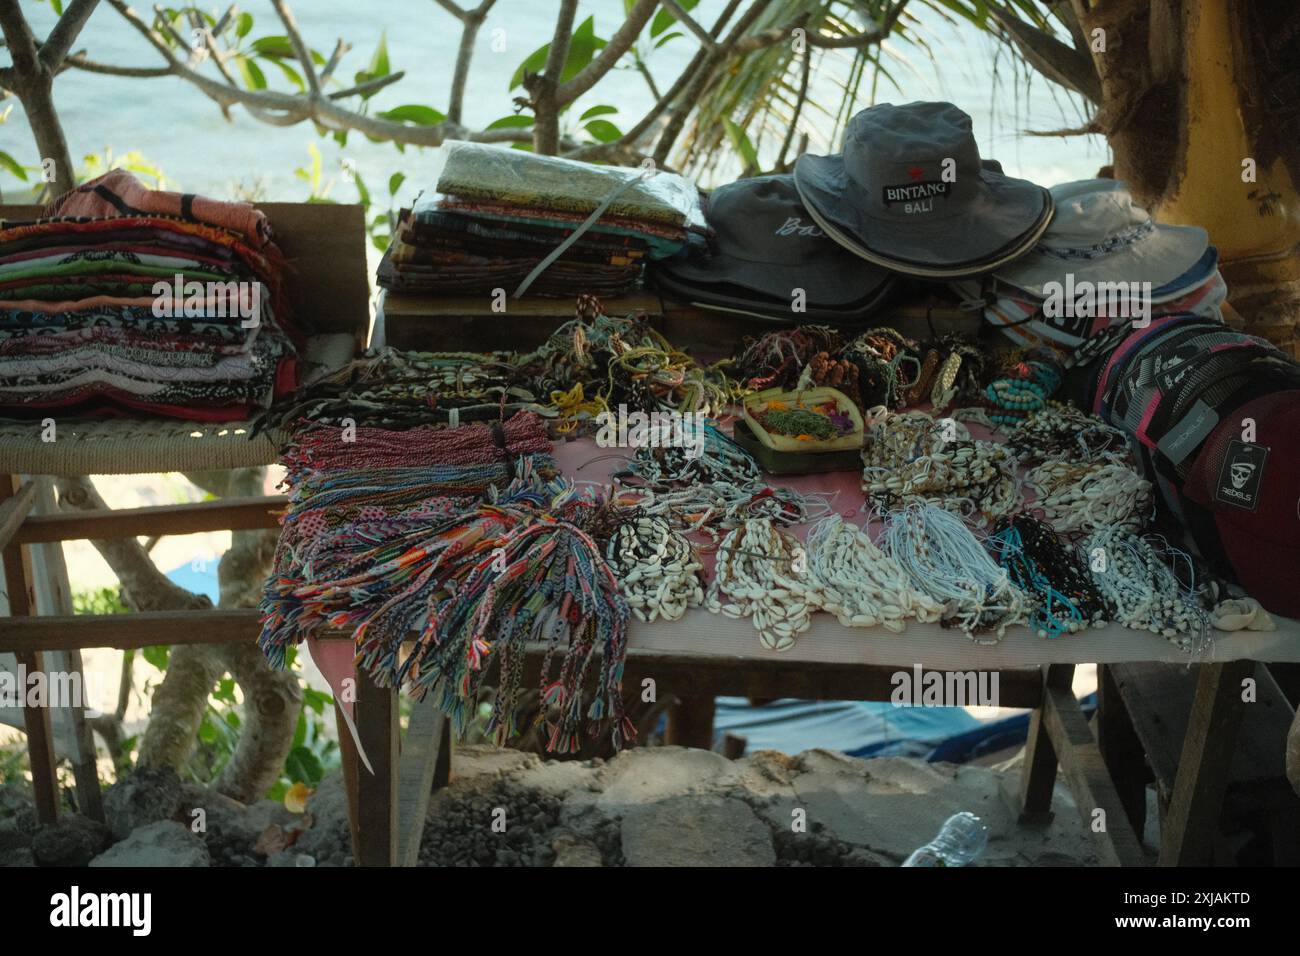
x=1102 y=261
x=909 y=193
x=123 y=299
x=770 y=260
x=498 y=215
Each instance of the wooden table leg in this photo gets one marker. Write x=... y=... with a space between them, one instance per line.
x=379 y=732
x=690 y=723
x=1121 y=749
x=54 y=596
x=1187 y=836
x=349 y=765
x=1038 y=775
x=425 y=752
x=36 y=720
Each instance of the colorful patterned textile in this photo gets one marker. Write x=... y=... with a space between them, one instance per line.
x=128 y=300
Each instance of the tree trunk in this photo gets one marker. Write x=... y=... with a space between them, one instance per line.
x=272 y=698
x=1190 y=92
x=32 y=81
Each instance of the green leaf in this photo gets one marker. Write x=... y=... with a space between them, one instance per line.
x=663 y=19
x=317 y=700
x=395 y=183
x=603 y=130
x=157 y=656
x=741 y=142
x=582 y=47
x=243 y=23
x=302 y=766
x=254 y=78
x=225 y=691
x=300 y=731
x=58 y=6
x=413 y=113
x=293 y=75
x=11 y=164
x=362 y=192
x=533 y=63
x=514 y=121
x=597 y=111
x=273 y=46
x=208 y=732
x=666 y=37
x=379 y=62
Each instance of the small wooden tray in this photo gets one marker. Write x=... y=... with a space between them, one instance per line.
x=799 y=399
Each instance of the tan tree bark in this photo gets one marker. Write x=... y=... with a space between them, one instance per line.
x=272 y=699
x=1194 y=95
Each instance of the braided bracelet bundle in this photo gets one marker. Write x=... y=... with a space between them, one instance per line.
x=473 y=588
x=719 y=459
x=1142 y=591
x=778 y=358
x=1063 y=597
x=1060 y=432
x=324 y=447
x=906 y=460
x=706 y=507
x=1090 y=495
x=858 y=583
x=763 y=571
x=943 y=559
x=656 y=567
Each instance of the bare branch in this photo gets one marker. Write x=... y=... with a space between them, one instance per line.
x=19 y=39
x=65 y=31
x=683 y=106
x=299 y=47
x=331 y=65
x=686 y=20
x=370 y=86
x=870 y=37
x=610 y=54
x=1059 y=62
x=625 y=147
x=458 y=12
x=543 y=88
x=798 y=108
x=296 y=108
x=81 y=62
x=470 y=20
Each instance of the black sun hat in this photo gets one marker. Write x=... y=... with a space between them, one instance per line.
x=908 y=192
x=766 y=247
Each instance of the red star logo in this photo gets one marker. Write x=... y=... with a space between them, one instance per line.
x=916 y=172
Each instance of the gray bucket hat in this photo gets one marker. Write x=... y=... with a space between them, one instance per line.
x=768 y=244
x=908 y=192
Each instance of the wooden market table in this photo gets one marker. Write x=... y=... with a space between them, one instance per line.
x=695 y=659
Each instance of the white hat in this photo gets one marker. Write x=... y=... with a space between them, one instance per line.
x=1099 y=235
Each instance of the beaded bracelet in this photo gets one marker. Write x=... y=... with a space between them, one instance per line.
x=858 y=583
x=656 y=567
x=943 y=559
x=764 y=573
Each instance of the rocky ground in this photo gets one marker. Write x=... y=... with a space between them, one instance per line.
x=665 y=806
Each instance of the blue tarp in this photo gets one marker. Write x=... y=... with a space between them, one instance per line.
x=871 y=728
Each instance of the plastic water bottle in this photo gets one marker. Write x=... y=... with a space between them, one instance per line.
x=961 y=840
